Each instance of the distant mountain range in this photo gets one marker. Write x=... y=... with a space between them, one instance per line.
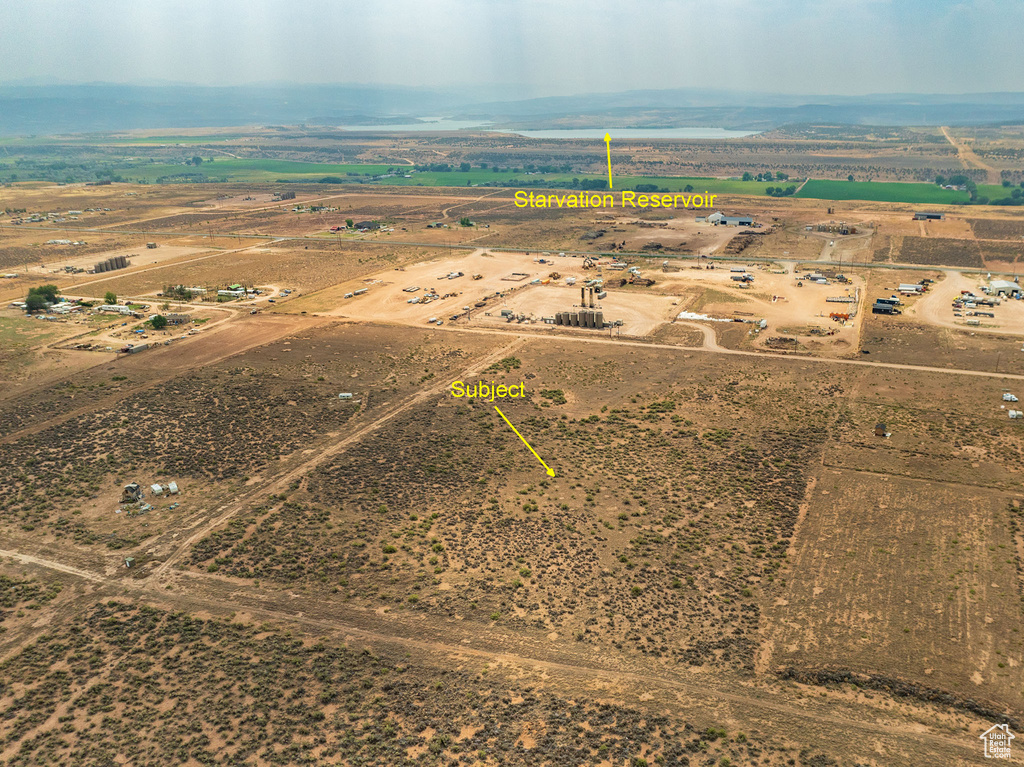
x=51 y=109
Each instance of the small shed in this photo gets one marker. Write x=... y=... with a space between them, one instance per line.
x=172 y=488
x=132 y=493
x=881 y=430
x=157 y=489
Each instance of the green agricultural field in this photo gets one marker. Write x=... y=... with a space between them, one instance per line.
x=520 y=180
x=994 y=191
x=877 y=191
x=250 y=170
x=701 y=185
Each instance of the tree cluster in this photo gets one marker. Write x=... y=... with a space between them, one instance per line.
x=766 y=176
x=38 y=298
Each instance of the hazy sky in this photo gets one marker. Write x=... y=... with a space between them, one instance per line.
x=546 y=47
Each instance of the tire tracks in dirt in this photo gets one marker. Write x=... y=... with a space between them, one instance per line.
x=762 y=703
x=325 y=454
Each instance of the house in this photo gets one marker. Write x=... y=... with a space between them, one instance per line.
x=929 y=215
x=178 y=319
x=367 y=225
x=997 y=740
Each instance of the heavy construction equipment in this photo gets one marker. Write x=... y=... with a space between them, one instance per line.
x=636 y=279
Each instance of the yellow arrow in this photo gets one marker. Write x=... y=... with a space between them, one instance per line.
x=608 y=146
x=551 y=472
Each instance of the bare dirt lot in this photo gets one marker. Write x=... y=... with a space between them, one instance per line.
x=927 y=558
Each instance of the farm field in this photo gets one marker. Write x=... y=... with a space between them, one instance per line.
x=881 y=192
x=901 y=172
x=233 y=169
x=886 y=561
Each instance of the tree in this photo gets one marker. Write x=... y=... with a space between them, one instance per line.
x=688 y=188
x=940 y=180
x=850 y=177
x=349 y=223
x=464 y=167
x=464 y=221
x=35 y=303
x=197 y=160
x=48 y=292
x=747 y=176
x=110 y=297
x=159 y=322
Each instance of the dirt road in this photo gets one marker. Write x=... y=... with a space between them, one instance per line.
x=716 y=349
x=326 y=453
x=49 y=564
x=969 y=159
x=753 y=701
